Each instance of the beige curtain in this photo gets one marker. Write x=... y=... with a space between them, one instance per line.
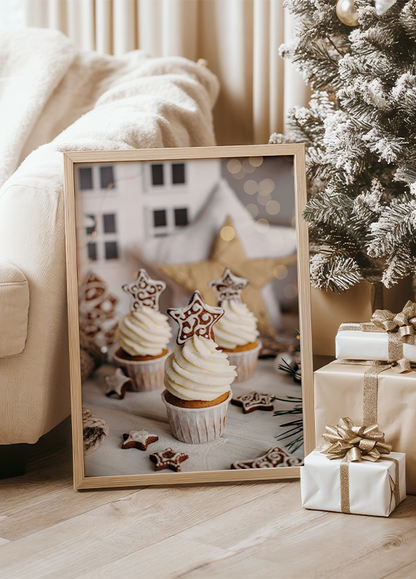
x=238 y=38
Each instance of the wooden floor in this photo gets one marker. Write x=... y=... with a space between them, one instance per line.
x=229 y=531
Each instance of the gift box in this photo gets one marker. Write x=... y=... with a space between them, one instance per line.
x=387 y=337
x=370 y=394
x=365 y=488
x=367 y=342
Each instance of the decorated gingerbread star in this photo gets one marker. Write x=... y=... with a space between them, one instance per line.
x=225 y=253
x=168 y=459
x=274 y=458
x=117 y=384
x=228 y=286
x=145 y=291
x=195 y=319
x=252 y=401
x=139 y=439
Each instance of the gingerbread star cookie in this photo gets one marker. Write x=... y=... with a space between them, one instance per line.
x=196 y=319
x=228 y=287
x=274 y=458
x=252 y=401
x=117 y=384
x=168 y=459
x=145 y=291
x=139 y=439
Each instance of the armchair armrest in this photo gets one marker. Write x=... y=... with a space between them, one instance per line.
x=14 y=309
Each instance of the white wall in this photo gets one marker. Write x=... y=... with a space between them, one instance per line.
x=133 y=200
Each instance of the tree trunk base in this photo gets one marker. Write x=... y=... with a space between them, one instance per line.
x=377 y=296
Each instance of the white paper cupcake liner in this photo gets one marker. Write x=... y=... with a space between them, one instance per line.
x=245 y=362
x=197 y=425
x=146 y=375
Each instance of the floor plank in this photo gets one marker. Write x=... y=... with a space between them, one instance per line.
x=3 y=541
x=403 y=573
x=121 y=527
x=45 y=496
x=376 y=546
x=236 y=566
x=177 y=556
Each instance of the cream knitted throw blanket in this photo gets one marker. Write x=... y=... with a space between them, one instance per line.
x=46 y=86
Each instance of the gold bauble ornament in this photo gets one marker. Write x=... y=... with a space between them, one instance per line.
x=347 y=12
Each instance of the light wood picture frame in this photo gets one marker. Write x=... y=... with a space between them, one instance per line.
x=92 y=245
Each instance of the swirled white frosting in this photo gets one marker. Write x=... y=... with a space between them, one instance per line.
x=198 y=371
x=238 y=326
x=144 y=332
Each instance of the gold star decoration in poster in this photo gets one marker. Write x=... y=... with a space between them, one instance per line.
x=228 y=252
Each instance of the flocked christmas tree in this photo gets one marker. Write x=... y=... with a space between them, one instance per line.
x=359 y=57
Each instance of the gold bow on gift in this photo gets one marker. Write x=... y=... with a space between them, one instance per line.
x=404 y=323
x=401 y=327
x=354 y=443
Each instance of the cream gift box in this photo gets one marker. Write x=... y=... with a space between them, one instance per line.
x=354 y=343
x=371 y=488
x=369 y=395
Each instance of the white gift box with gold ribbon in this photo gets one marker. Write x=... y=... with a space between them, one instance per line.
x=355 y=342
x=358 y=342
x=387 y=337
x=367 y=488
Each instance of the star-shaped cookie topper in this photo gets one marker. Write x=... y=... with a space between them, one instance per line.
x=168 y=459
x=117 y=384
x=228 y=286
x=145 y=291
x=195 y=319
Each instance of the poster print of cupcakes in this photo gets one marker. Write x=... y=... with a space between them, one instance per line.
x=143 y=335
x=236 y=333
x=198 y=376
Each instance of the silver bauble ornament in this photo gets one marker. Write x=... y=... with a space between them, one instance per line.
x=347 y=12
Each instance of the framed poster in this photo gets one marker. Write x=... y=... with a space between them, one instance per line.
x=215 y=238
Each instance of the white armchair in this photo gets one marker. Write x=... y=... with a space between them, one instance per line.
x=129 y=102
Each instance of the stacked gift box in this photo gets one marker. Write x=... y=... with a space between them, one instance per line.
x=373 y=383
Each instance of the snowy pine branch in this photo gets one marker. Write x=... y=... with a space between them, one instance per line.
x=335 y=274
x=397 y=224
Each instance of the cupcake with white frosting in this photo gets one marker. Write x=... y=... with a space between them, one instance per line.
x=143 y=335
x=236 y=332
x=198 y=376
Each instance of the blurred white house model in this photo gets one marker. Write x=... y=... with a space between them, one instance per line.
x=125 y=203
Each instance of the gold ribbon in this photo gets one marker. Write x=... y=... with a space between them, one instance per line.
x=400 y=329
x=344 y=480
x=370 y=384
x=399 y=366
x=352 y=443
x=404 y=323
